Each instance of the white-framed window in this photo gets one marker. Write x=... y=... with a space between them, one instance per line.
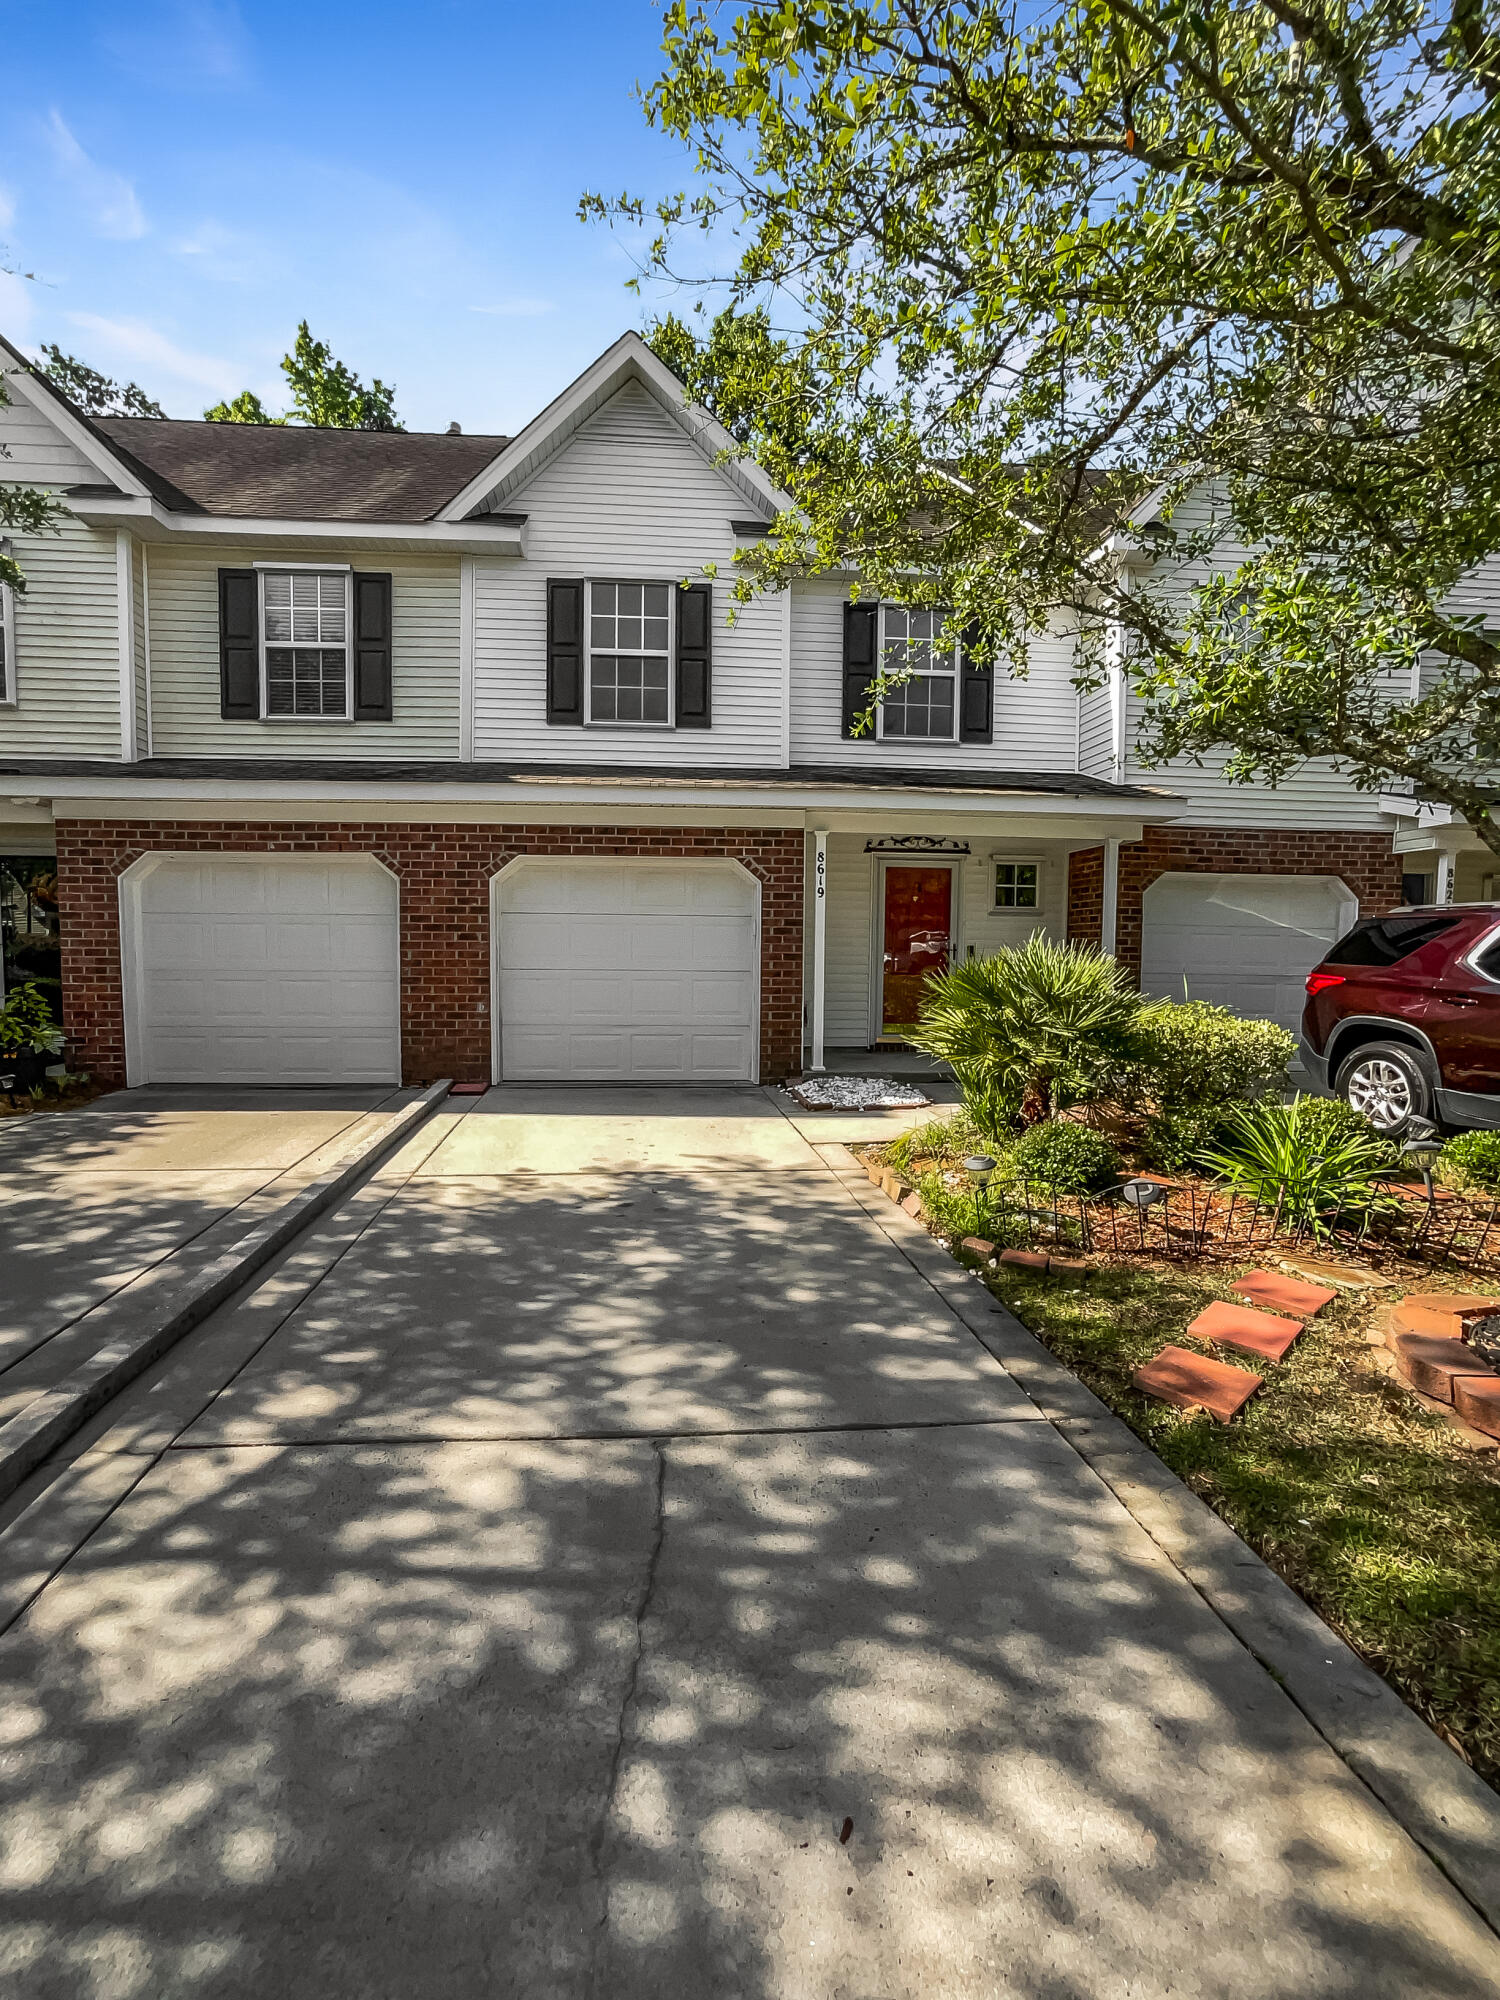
x=305 y=653
x=629 y=677
x=1017 y=885
x=925 y=706
x=7 y=646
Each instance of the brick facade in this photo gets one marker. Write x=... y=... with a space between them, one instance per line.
x=1363 y=861
x=445 y=872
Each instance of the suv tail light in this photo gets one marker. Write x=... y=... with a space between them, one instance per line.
x=1318 y=982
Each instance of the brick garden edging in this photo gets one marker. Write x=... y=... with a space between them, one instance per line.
x=445 y=870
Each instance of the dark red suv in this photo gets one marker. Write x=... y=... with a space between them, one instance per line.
x=1403 y=1017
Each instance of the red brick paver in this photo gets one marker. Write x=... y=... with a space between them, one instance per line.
x=1477 y=1400
x=1433 y=1363
x=1193 y=1381
x=1260 y=1333
x=1029 y=1260
x=1443 y=1315
x=1283 y=1294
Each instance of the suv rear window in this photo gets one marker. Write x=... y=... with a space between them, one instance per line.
x=1385 y=940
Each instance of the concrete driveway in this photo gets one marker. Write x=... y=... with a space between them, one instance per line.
x=597 y=1563
x=90 y=1199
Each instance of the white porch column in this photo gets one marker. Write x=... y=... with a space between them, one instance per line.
x=1443 y=889
x=1110 y=899
x=819 y=942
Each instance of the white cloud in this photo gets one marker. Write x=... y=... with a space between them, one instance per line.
x=115 y=342
x=184 y=45
x=108 y=196
x=517 y=309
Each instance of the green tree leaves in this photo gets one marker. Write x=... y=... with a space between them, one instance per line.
x=325 y=392
x=1003 y=279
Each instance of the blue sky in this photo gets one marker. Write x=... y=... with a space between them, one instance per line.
x=189 y=178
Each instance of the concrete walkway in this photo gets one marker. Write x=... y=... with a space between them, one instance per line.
x=596 y=1562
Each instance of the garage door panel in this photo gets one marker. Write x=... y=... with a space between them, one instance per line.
x=620 y=969
x=265 y=972
x=1246 y=942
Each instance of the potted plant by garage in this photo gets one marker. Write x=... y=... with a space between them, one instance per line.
x=30 y=1040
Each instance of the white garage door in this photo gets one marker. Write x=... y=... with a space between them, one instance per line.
x=259 y=971
x=629 y=969
x=1243 y=941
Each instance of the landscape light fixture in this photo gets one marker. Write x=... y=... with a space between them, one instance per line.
x=1140 y=1194
x=1423 y=1150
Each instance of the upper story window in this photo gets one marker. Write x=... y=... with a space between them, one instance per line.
x=7 y=645
x=925 y=705
x=630 y=653
x=305 y=653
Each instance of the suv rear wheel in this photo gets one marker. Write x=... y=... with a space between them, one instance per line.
x=1388 y=1082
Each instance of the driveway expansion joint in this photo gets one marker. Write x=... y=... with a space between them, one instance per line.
x=628 y=1701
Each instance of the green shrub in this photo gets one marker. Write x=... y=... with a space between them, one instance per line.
x=1291 y=1157
x=1174 y=1141
x=1328 y=1121
x=1472 y=1160
x=1065 y=1157
x=1030 y=1030
x=1190 y=1055
x=26 y=1023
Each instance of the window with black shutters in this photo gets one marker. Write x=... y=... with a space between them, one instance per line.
x=925 y=704
x=630 y=653
x=305 y=618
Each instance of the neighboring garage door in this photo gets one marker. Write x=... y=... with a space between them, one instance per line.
x=1244 y=941
x=630 y=969
x=262 y=971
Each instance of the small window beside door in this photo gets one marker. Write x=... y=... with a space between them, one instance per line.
x=1017 y=885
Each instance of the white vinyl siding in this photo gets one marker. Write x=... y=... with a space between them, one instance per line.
x=185 y=662
x=140 y=649
x=1036 y=718
x=628 y=497
x=1316 y=796
x=36 y=454
x=1096 y=733
x=67 y=646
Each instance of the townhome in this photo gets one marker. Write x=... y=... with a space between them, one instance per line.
x=369 y=756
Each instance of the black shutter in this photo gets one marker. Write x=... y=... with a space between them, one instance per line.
x=976 y=694
x=372 y=648
x=239 y=646
x=564 y=651
x=695 y=620
x=861 y=641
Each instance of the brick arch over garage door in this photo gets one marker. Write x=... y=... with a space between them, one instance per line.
x=1363 y=861
x=445 y=872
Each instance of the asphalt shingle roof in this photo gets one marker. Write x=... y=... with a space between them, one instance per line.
x=293 y=472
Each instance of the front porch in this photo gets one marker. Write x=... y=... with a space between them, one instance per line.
x=890 y=905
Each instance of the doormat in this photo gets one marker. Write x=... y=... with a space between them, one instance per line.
x=856 y=1093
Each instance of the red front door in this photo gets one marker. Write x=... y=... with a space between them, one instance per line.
x=918 y=924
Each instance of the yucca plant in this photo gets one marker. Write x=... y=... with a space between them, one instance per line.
x=1031 y=1030
x=1291 y=1158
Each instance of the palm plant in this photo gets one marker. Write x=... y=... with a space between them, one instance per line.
x=1031 y=1030
x=1291 y=1157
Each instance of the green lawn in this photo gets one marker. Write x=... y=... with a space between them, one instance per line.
x=1366 y=1503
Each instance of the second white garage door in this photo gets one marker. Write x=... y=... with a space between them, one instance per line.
x=637 y=970
x=1243 y=941
x=249 y=969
